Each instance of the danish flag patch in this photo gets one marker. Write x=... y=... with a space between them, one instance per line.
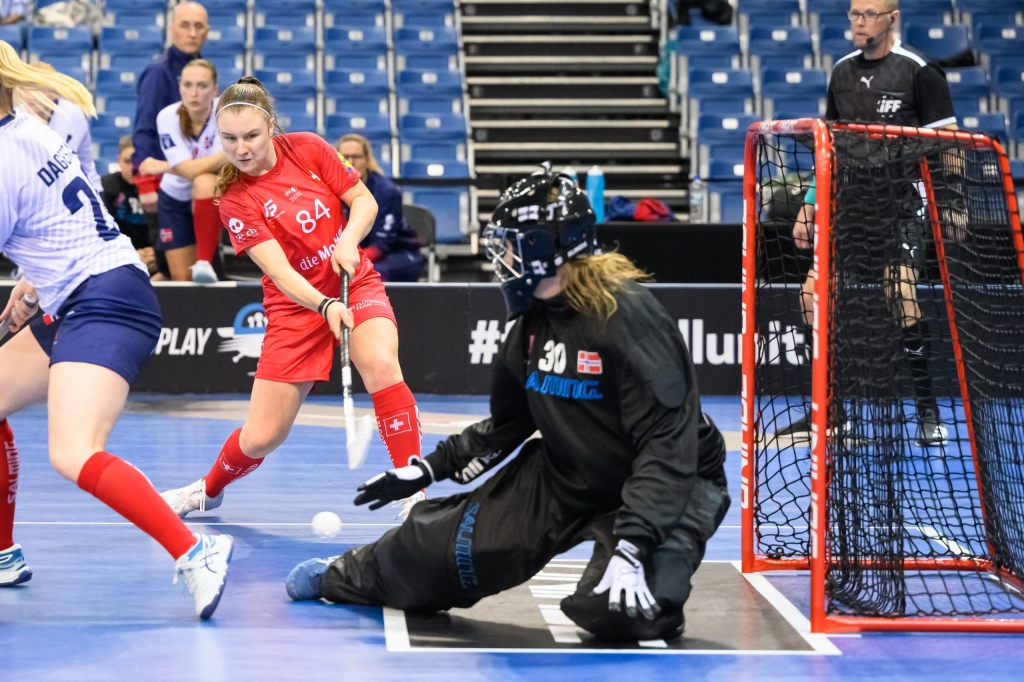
x=588 y=362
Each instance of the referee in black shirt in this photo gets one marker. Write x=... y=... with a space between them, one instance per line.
x=886 y=82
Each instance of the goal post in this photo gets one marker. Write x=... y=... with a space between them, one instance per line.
x=883 y=399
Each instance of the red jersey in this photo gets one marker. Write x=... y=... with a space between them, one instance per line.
x=298 y=204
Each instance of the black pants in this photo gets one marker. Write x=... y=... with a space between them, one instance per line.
x=454 y=551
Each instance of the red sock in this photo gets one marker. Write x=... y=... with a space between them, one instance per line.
x=206 y=223
x=230 y=466
x=126 y=490
x=398 y=421
x=8 y=484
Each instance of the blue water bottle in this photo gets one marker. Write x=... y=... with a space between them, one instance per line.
x=595 y=191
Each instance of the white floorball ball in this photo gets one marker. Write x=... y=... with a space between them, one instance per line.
x=326 y=524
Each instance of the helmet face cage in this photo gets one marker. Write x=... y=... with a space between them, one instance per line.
x=540 y=222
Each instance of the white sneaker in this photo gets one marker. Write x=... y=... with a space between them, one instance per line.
x=191 y=498
x=202 y=273
x=204 y=569
x=405 y=506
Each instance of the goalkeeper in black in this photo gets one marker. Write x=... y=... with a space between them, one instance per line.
x=886 y=82
x=625 y=456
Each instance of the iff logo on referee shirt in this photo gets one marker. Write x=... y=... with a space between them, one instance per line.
x=588 y=362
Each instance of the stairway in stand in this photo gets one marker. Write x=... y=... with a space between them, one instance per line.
x=572 y=82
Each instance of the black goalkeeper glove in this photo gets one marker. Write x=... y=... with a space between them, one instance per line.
x=625 y=583
x=395 y=484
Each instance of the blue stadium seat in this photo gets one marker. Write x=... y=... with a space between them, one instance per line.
x=295 y=121
x=940 y=43
x=115 y=81
x=727 y=91
x=126 y=60
x=147 y=40
x=355 y=48
x=14 y=35
x=769 y=13
x=135 y=14
x=116 y=103
x=999 y=44
x=272 y=43
x=1008 y=87
x=425 y=48
x=719 y=136
x=110 y=127
x=337 y=125
x=781 y=47
x=284 y=14
x=715 y=47
x=725 y=191
x=423 y=13
x=828 y=13
x=75 y=41
x=432 y=137
x=78 y=66
x=793 y=90
x=355 y=14
x=227 y=75
x=969 y=89
x=357 y=92
x=283 y=82
x=227 y=14
x=834 y=43
x=993 y=124
x=369 y=126
x=225 y=43
x=450 y=205
x=920 y=11
x=429 y=92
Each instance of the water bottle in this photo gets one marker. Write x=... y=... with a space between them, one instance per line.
x=698 y=198
x=595 y=191
x=571 y=172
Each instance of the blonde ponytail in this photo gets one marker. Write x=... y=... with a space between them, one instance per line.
x=24 y=80
x=591 y=283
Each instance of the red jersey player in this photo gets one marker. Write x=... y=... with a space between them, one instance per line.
x=281 y=200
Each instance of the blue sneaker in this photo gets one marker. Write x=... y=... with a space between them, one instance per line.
x=13 y=569
x=303 y=582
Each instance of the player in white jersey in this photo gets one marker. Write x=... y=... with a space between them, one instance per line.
x=102 y=320
x=189 y=221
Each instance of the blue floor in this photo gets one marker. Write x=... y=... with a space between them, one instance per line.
x=101 y=605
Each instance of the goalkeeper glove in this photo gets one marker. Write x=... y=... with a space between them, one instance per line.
x=395 y=484
x=624 y=581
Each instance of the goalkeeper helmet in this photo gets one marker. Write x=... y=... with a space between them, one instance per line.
x=539 y=223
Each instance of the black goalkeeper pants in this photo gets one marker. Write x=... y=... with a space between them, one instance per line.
x=453 y=551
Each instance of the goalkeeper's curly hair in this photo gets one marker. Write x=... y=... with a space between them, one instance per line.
x=590 y=283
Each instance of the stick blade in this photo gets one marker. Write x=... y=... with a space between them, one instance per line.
x=357 y=441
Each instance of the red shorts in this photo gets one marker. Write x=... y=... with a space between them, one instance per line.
x=298 y=345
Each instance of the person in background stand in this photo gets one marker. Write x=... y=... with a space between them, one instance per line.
x=392 y=244
x=625 y=455
x=188 y=219
x=157 y=88
x=12 y=11
x=121 y=197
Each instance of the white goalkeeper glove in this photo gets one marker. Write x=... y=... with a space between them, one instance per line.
x=395 y=484
x=625 y=582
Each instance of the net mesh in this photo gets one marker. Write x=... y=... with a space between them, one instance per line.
x=924 y=476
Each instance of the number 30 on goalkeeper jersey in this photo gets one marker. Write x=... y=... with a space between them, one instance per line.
x=52 y=222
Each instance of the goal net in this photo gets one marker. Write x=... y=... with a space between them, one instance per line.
x=883 y=398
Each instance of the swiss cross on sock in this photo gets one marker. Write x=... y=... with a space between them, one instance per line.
x=588 y=362
x=399 y=422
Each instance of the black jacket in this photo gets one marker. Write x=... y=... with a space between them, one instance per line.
x=616 y=405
